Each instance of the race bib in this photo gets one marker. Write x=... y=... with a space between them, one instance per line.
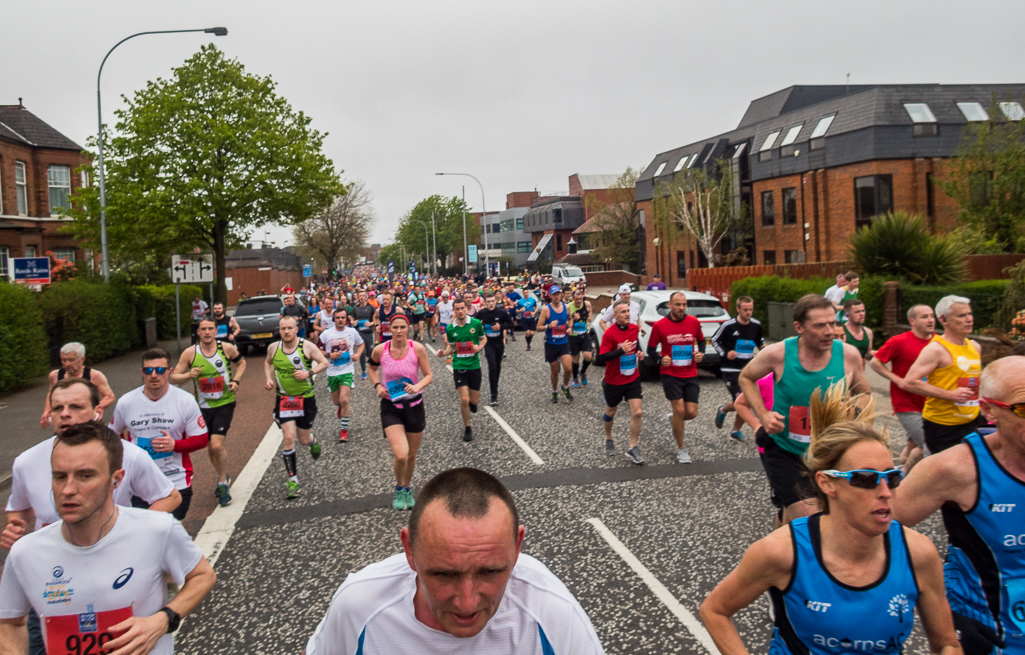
x=385 y=335
x=628 y=364
x=464 y=349
x=745 y=348
x=397 y=389
x=290 y=407
x=579 y=327
x=559 y=331
x=222 y=330
x=973 y=384
x=1016 y=601
x=489 y=332
x=528 y=314
x=341 y=346
x=146 y=444
x=361 y=323
x=683 y=355
x=799 y=425
x=211 y=388
x=83 y=634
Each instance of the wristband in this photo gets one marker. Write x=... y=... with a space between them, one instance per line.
x=378 y=385
x=235 y=381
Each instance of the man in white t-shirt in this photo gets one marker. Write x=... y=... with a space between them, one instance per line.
x=323 y=320
x=342 y=345
x=836 y=292
x=608 y=316
x=199 y=308
x=98 y=576
x=444 y=311
x=461 y=586
x=164 y=421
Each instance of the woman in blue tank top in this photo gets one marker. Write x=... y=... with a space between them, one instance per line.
x=846 y=580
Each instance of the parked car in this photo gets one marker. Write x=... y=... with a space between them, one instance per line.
x=564 y=274
x=257 y=319
x=655 y=306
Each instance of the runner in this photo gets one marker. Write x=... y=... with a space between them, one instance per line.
x=555 y=317
x=385 y=314
x=465 y=337
x=365 y=317
x=854 y=329
x=579 y=336
x=526 y=308
x=736 y=341
x=850 y=292
x=73 y=366
x=227 y=327
x=342 y=345
x=836 y=293
x=324 y=318
x=621 y=353
x=900 y=352
x=979 y=484
x=849 y=579
x=165 y=421
x=208 y=365
x=289 y=369
x=814 y=359
x=680 y=340
x=947 y=373
x=511 y=302
x=444 y=312
x=199 y=308
x=417 y=301
x=432 y=315
x=497 y=325
x=87 y=560
x=405 y=372
x=296 y=311
x=635 y=310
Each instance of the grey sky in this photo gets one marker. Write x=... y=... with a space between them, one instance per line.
x=521 y=94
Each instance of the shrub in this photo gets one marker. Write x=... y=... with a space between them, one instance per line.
x=899 y=246
x=774 y=288
x=1013 y=302
x=100 y=316
x=23 y=348
x=158 y=302
x=987 y=298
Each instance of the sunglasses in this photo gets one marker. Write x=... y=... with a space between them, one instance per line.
x=1017 y=408
x=159 y=370
x=869 y=478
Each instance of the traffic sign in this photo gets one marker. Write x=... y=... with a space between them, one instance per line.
x=472 y=254
x=307 y=270
x=194 y=269
x=31 y=270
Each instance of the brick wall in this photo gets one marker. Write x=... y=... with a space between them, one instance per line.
x=252 y=280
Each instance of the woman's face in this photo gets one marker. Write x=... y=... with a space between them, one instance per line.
x=868 y=510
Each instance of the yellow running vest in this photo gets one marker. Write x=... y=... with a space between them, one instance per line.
x=964 y=371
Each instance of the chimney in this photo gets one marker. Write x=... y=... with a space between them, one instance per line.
x=20 y=105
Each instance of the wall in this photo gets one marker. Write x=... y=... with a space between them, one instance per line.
x=252 y=280
x=601 y=281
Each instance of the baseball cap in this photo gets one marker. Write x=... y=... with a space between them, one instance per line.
x=625 y=288
x=555 y=288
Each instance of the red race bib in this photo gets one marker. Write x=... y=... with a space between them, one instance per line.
x=799 y=425
x=83 y=634
x=969 y=383
x=211 y=387
x=464 y=349
x=290 y=407
x=559 y=331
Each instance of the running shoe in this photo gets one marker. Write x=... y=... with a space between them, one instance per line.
x=293 y=490
x=494 y=401
x=635 y=455
x=576 y=383
x=448 y=361
x=227 y=481
x=338 y=411
x=223 y=495
x=738 y=435
x=400 y=500
x=610 y=447
x=583 y=379
x=343 y=436
x=683 y=456
x=473 y=408
x=468 y=434
x=528 y=347
x=720 y=417
x=315 y=450
x=555 y=397
x=410 y=501
x=569 y=396
x=363 y=376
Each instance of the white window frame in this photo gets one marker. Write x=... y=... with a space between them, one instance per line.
x=658 y=171
x=5 y=258
x=924 y=111
x=30 y=251
x=791 y=135
x=740 y=150
x=1012 y=111
x=679 y=164
x=84 y=178
x=822 y=126
x=69 y=254
x=21 y=187
x=693 y=159
x=52 y=171
x=770 y=141
x=968 y=108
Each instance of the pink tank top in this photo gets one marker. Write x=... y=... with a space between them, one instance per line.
x=393 y=370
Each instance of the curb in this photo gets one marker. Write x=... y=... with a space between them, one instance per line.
x=5 y=483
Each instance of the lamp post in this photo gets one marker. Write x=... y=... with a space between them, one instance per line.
x=658 y=261
x=484 y=209
x=427 y=239
x=216 y=31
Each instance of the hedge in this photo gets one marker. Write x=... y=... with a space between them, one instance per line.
x=24 y=352
x=987 y=298
x=158 y=301
x=773 y=288
x=100 y=316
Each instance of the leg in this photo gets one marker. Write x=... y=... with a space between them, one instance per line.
x=413 y=439
x=677 y=421
x=635 y=421
x=567 y=366
x=305 y=437
x=745 y=414
x=219 y=458
x=344 y=410
x=464 y=404
x=610 y=413
x=183 y=509
x=396 y=435
x=805 y=507
x=554 y=369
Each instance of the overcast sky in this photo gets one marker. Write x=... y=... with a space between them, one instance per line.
x=521 y=94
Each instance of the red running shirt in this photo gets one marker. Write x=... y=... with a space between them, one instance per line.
x=679 y=340
x=901 y=352
x=611 y=341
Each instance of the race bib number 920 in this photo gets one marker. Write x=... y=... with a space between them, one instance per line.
x=83 y=634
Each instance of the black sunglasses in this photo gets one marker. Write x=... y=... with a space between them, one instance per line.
x=869 y=478
x=159 y=370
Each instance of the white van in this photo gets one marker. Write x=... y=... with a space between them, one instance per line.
x=563 y=274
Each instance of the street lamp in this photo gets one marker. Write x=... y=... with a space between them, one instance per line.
x=658 y=259
x=427 y=239
x=484 y=209
x=216 y=31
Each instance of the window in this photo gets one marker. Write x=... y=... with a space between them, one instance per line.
x=558 y=242
x=640 y=215
x=67 y=254
x=557 y=216
x=822 y=127
x=930 y=202
x=919 y=112
x=980 y=188
x=973 y=111
x=765 y=155
x=769 y=257
x=692 y=259
x=658 y=171
x=523 y=246
x=790 y=206
x=792 y=135
x=5 y=252
x=681 y=263
x=1012 y=111
x=680 y=164
x=21 y=185
x=793 y=256
x=768 y=208
x=693 y=159
x=740 y=150
x=506 y=225
x=85 y=178
x=873 y=195
x=58 y=178
x=769 y=141
x=30 y=251
x=519 y=224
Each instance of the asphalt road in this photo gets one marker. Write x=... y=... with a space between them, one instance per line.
x=612 y=531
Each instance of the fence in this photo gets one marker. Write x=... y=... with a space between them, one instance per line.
x=599 y=280
x=989 y=267
x=718 y=281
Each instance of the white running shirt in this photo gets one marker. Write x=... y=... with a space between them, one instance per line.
x=124 y=569
x=445 y=312
x=176 y=412
x=372 y=612
x=31 y=486
x=344 y=341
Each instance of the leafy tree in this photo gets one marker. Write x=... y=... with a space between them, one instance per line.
x=447 y=214
x=340 y=232
x=617 y=223
x=900 y=245
x=203 y=158
x=987 y=181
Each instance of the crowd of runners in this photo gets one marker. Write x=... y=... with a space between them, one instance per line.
x=100 y=502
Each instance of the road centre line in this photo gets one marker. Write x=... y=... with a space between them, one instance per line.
x=679 y=611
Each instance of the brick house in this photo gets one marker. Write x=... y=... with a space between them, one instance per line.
x=37 y=177
x=816 y=162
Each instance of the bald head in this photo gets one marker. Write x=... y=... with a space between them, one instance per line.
x=1004 y=380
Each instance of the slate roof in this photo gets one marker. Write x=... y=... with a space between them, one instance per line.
x=21 y=126
x=593 y=182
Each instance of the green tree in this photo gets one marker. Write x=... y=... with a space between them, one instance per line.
x=447 y=214
x=987 y=181
x=899 y=245
x=202 y=159
x=617 y=224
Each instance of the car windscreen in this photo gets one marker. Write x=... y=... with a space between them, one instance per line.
x=257 y=307
x=572 y=271
x=696 y=308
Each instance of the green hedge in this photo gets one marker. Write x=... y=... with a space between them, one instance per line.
x=100 y=316
x=774 y=288
x=987 y=297
x=158 y=301
x=24 y=352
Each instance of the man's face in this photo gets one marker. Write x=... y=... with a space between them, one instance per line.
x=341 y=320
x=924 y=320
x=459 y=309
x=745 y=311
x=556 y=296
x=70 y=361
x=289 y=299
x=386 y=300
x=363 y=298
x=462 y=566
x=841 y=280
x=622 y=314
x=678 y=307
x=578 y=298
x=960 y=318
x=154 y=380
x=207 y=332
x=489 y=302
x=328 y=304
x=857 y=315
x=82 y=481
x=852 y=283
x=818 y=330
x=219 y=310
x=288 y=329
x=71 y=406
x=468 y=298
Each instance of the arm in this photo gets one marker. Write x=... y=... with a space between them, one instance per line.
x=44 y=420
x=877 y=365
x=943 y=477
x=605 y=352
x=18 y=525
x=542 y=318
x=169 y=503
x=13 y=636
x=765 y=362
x=856 y=365
x=870 y=352
x=235 y=358
x=182 y=371
x=234 y=327
x=107 y=397
x=268 y=367
x=931 y=358
x=932 y=604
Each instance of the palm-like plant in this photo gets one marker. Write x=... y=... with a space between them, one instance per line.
x=899 y=245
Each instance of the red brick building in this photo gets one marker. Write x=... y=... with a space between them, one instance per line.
x=37 y=177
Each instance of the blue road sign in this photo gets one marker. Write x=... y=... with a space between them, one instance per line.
x=307 y=270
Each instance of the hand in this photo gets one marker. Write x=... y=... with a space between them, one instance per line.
x=774 y=423
x=731 y=355
x=382 y=391
x=442 y=354
x=15 y=530
x=628 y=346
x=961 y=394
x=976 y=638
x=410 y=388
x=666 y=360
x=300 y=375
x=698 y=355
x=496 y=327
x=553 y=325
x=44 y=420
x=336 y=355
x=477 y=347
x=194 y=372
x=269 y=386
x=640 y=355
x=164 y=444
x=231 y=388
x=141 y=634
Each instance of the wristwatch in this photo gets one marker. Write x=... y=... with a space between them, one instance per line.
x=173 y=618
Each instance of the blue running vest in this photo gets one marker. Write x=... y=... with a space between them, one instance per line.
x=563 y=318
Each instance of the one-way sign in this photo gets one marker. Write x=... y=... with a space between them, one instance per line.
x=195 y=269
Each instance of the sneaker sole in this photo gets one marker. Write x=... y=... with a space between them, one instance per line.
x=630 y=457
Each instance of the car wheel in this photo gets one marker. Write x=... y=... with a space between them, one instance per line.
x=595 y=349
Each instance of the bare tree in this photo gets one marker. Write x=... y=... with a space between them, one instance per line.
x=614 y=236
x=340 y=232
x=702 y=206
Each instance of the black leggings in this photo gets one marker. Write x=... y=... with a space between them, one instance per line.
x=493 y=353
x=368 y=347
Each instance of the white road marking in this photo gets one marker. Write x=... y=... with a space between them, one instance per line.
x=679 y=611
x=435 y=352
x=515 y=437
x=219 y=526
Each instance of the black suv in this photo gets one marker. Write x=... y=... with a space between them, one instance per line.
x=257 y=320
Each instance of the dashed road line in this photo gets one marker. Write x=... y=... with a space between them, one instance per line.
x=515 y=437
